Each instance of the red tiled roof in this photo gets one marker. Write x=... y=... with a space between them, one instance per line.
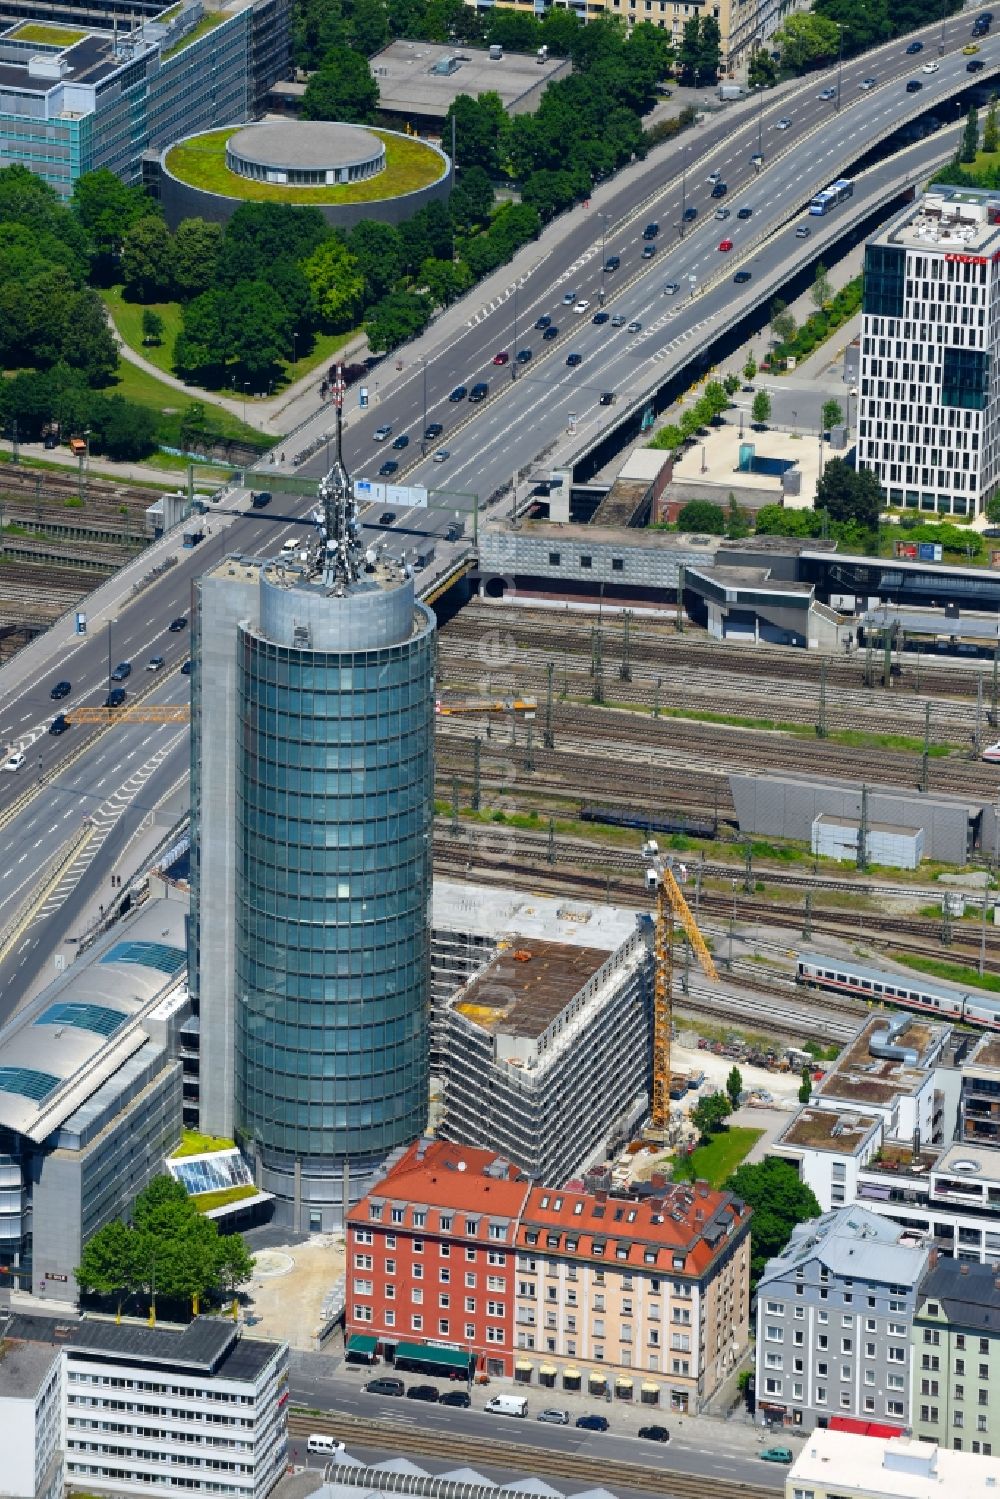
x=673 y=1222
x=445 y=1175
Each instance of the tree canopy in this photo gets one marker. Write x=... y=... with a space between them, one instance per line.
x=341 y=89
x=779 y=1201
x=848 y=494
x=169 y=1250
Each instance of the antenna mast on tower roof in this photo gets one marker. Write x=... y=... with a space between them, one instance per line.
x=342 y=559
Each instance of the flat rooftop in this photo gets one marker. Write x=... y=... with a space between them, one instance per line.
x=934 y=623
x=741 y=580
x=523 y=989
x=896 y=1467
x=208 y=1345
x=972 y=1162
x=986 y=1053
x=953 y=220
x=829 y=1129
x=23 y=1368
x=713 y=463
x=611 y=536
x=424 y=77
x=831 y=820
x=491 y=911
x=860 y=1076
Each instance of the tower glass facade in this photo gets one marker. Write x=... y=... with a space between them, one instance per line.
x=334 y=799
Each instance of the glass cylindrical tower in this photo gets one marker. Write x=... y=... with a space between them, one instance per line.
x=334 y=807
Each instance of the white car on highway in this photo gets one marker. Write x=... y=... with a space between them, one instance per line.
x=930 y=67
x=581 y=306
x=15 y=761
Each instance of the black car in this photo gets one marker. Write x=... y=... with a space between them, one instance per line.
x=648 y=251
x=600 y=318
x=390 y=466
x=607 y=398
x=524 y=356
x=61 y=689
x=457 y=1398
x=651 y=231
x=543 y=321
x=914 y=86
x=59 y=725
x=387 y=517
x=573 y=360
x=975 y=66
x=689 y=215
x=401 y=442
x=178 y=624
x=383 y=1387
x=719 y=190
x=479 y=391
x=654 y=1433
x=121 y=671
x=612 y=263
x=741 y=277
x=186 y=668
x=459 y=393
x=432 y=430
x=592 y=1423
x=115 y=697
x=914 y=48
x=745 y=213
x=261 y=499
x=550 y=333
x=423 y=1392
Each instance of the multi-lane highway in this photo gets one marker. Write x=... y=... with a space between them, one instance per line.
x=531 y=405
x=115 y=775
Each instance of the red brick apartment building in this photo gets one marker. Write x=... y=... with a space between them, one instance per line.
x=647 y=1298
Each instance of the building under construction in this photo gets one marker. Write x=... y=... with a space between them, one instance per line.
x=547 y=1053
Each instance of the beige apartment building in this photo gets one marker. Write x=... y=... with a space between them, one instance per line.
x=646 y=1298
x=743 y=24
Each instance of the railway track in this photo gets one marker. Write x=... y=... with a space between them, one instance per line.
x=521 y=1457
x=658 y=641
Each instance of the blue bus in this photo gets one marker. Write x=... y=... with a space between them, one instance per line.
x=836 y=193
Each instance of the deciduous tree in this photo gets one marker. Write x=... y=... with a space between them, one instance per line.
x=761 y=408
x=779 y=1201
x=848 y=494
x=734 y=1086
x=335 y=283
x=709 y=1114
x=342 y=88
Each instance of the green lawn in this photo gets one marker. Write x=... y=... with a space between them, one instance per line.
x=128 y=321
x=139 y=386
x=409 y=164
x=195 y=1143
x=206 y=24
x=207 y=1202
x=720 y=1157
x=52 y=36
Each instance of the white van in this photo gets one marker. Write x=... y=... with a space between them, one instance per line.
x=326 y=1446
x=507 y=1405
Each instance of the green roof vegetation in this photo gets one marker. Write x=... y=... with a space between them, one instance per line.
x=49 y=36
x=202 y=28
x=207 y=1202
x=195 y=1143
x=410 y=164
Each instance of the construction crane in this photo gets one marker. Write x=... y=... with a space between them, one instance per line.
x=526 y=705
x=670 y=903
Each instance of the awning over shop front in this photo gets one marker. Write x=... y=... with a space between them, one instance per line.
x=361 y=1345
x=427 y=1355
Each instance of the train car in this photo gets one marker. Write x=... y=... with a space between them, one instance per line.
x=617 y=817
x=903 y=990
x=992 y=753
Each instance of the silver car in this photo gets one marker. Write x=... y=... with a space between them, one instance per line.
x=554 y=1417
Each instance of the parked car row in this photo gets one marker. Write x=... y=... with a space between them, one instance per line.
x=503 y=1405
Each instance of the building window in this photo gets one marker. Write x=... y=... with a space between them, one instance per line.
x=417 y=1323
x=585 y=560
x=419 y=1218
x=553 y=559
x=617 y=564
x=443 y=1327
x=396 y=1215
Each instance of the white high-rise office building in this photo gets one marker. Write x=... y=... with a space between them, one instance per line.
x=929 y=397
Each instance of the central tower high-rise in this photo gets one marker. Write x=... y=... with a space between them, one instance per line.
x=312 y=805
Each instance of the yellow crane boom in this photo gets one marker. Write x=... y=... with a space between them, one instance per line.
x=670 y=903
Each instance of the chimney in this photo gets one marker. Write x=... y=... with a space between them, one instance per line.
x=600 y=1196
x=658 y=1181
x=963 y=1268
x=932 y=1259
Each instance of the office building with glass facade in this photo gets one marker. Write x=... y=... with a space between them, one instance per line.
x=312 y=801
x=74 y=98
x=929 y=401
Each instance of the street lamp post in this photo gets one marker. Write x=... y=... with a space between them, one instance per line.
x=944 y=19
x=246 y=387
x=684 y=168
x=423 y=438
x=604 y=234
x=513 y=348
x=840 y=60
x=760 y=120
x=110 y=623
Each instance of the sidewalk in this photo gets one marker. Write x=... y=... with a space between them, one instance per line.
x=141 y=473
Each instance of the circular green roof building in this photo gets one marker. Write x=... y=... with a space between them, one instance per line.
x=349 y=172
